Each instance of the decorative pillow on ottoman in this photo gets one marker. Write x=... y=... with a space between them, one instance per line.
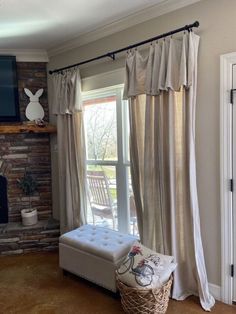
x=144 y=268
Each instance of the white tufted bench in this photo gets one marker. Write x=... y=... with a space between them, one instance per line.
x=94 y=253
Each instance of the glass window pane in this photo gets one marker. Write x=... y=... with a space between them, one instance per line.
x=102 y=209
x=126 y=133
x=100 y=127
x=133 y=223
x=106 y=116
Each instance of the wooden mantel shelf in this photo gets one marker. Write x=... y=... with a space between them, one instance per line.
x=26 y=128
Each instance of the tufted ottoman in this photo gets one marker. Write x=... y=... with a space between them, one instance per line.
x=94 y=253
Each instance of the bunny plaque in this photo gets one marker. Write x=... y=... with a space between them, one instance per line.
x=34 y=110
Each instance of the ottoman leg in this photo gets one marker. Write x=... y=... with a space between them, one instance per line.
x=65 y=272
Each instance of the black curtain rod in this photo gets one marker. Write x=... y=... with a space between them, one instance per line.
x=112 y=54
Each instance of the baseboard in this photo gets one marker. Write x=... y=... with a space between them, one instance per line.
x=215 y=291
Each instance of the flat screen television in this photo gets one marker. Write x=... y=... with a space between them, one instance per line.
x=9 y=100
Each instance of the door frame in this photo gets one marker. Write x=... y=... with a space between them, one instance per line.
x=226 y=173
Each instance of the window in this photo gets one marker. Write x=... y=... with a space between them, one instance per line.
x=111 y=202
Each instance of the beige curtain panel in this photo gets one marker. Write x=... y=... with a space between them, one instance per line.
x=161 y=88
x=71 y=149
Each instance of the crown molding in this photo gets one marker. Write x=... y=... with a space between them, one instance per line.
x=26 y=55
x=144 y=15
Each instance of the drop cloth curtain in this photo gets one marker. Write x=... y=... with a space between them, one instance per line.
x=161 y=88
x=71 y=149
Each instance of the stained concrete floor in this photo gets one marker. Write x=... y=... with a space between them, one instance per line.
x=34 y=284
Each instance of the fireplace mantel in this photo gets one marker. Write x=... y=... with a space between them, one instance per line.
x=26 y=128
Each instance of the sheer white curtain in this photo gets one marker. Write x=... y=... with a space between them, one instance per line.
x=161 y=88
x=71 y=149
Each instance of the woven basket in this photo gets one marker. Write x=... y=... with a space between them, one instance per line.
x=144 y=301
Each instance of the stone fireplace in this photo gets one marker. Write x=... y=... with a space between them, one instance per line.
x=20 y=152
x=26 y=152
x=3 y=200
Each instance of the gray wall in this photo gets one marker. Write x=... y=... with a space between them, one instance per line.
x=217 y=31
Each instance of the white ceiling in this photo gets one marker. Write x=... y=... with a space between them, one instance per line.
x=48 y=24
x=42 y=24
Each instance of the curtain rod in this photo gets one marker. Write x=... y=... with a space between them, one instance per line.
x=112 y=54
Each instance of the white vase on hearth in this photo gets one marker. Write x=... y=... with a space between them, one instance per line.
x=29 y=216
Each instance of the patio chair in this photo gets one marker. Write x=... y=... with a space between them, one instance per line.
x=101 y=202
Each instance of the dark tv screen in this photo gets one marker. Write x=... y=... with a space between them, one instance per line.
x=9 y=103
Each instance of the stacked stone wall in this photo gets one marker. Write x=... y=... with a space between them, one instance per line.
x=16 y=239
x=28 y=152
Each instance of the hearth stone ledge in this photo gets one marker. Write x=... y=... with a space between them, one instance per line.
x=18 y=239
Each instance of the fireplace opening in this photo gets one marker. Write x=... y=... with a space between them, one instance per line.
x=3 y=201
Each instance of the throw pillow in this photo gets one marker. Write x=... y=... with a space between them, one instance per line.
x=144 y=268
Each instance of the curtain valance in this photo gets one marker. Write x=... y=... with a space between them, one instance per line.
x=170 y=64
x=67 y=92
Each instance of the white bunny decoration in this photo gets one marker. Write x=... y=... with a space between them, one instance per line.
x=34 y=110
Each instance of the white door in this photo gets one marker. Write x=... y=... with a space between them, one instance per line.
x=233 y=271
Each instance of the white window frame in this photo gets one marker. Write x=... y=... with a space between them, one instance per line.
x=122 y=163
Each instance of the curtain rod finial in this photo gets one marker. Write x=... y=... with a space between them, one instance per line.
x=196 y=24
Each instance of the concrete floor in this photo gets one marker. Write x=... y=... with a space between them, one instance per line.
x=34 y=284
